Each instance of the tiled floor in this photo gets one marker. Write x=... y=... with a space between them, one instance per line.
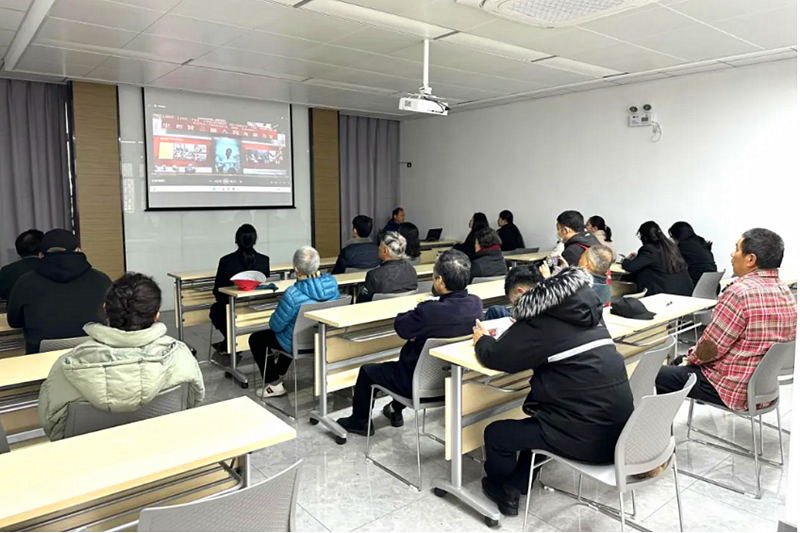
x=341 y=491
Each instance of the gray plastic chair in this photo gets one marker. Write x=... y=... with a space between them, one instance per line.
x=643 y=379
x=303 y=341
x=636 y=295
x=389 y=296
x=267 y=506
x=427 y=392
x=762 y=389
x=83 y=417
x=646 y=442
x=486 y=280
x=424 y=287
x=51 y=345
x=3 y=440
x=520 y=251
x=707 y=287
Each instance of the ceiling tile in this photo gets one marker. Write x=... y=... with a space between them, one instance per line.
x=377 y=18
x=246 y=13
x=627 y=80
x=258 y=41
x=397 y=7
x=544 y=75
x=713 y=10
x=372 y=79
x=175 y=50
x=490 y=46
x=449 y=14
x=52 y=69
x=123 y=70
x=708 y=67
x=769 y=29
x=640 y=22
x=3 y=50
x=452 y=93
x=310 y=25
x=156 y=5
x=377 y=40
x=229 y=83
x=591 y=86
x=10 y=19
x=454 y=56
x=626 y=57
x=480 y=81
x=571 y=42
x=103 y=13
x=764 y=58
x=190 y=29
x=231 y=58
x=6 y=36
x=19 y=5
x=515 y=33
x=70 y=31
x=696 y=43
x=60 y=56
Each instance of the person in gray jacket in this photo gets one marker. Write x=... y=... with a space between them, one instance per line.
x=395 y=274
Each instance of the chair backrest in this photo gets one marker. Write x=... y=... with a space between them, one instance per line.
x=3 y=441
x=304 y=328
x=430 y=372
x=485 y=280
x=520 y=251
x=424 y=287
x=763 y=386
x=267 y=506
x=83 y=417
x=788 y=366
x=708 y=285
x=390 y=295
x=647 y=441
x=636 y=295
x=51 y=345
x=643 y=379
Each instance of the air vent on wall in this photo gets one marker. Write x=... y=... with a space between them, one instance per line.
x=553 y=13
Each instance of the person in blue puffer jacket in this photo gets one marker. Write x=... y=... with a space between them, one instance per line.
x=311 y=287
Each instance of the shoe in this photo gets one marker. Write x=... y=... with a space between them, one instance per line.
x=352 y=427
x=396 y=419
x=220 y=347
x=271 y=391
x=507 y=500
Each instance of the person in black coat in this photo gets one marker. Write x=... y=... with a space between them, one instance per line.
x=395 y=273
x=476 y=223
x=489 y=261
x=658 y=265
x=580 y=399
x=27 y=245
x=398 y=217
x=509 y=232
x=572 y=232
x=695 y=250
x=243 y=259
x=60 y=296
x=360 y=252
x=452 y=315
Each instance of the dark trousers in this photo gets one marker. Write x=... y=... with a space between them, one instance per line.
x=277 y=363
x=218 y=318
x=503 y=439
x=672 y=378
x=497 y=311
x=384 y=374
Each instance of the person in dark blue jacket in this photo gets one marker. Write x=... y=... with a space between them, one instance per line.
x=360 y=252
x=398 y=217
x=310 y=287
x=452 y=315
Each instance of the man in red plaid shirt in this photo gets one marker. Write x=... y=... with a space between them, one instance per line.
x=755 y=312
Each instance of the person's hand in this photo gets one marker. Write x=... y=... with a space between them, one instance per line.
x=562 y=263
x=545 y=269
x=632 y=255
x=478 y=331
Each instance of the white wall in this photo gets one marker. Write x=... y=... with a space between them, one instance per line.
x=157 y=242
x=727 y=160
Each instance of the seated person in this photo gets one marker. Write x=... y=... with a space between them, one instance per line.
x=488 y=261
x=580 y=399
x=596 y=225
x=27 y=245
x=360 y=252
x=753 y=313
x=476 y=223
x=413 y=247
x=572 y=232
x=60 y=296
x=244 y=258
x=658 y=266
x=395 y=273
x=509 y=232
x=398 y=217
x=695 y=250
x=310 y=287
x=125 y=364
x=597 y=261
x=451 y=315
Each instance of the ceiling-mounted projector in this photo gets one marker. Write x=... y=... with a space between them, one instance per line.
x=422 y=103
x=553 y=13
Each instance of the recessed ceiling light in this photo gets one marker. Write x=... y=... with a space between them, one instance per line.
x=553 y=13
x=377 y=18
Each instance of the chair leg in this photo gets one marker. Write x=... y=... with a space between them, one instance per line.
x=424 y=412
x=689 y=420
x=528 y=497
x=677 y=489
x=622 y=511
x=580 y=488
x=633 y=503
x=419 y=455
x=755 y=457
x=369 y=418
x=760 y=435
x=296 y=397
x=780 y=433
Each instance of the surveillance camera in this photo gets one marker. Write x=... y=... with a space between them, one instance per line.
x=647 y=107
x=633 y=109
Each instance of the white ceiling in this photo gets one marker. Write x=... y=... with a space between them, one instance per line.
x=361 y=55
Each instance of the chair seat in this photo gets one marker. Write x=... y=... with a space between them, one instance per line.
x=437 y=401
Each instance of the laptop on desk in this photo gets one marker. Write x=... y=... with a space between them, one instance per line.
x=433 y=235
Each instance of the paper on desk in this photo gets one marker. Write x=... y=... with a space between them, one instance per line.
x=498 y=326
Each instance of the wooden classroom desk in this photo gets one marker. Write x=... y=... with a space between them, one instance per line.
x=243 y=320
x=12 y=341
x=475 y=411
x=616 y=269
x=527 y=258
x=347 y=339
x=40 y=480
x=444 y=243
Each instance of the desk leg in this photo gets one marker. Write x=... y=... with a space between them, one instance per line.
x=321 y=414
x=442 y=486
x=245 y=470
x=179 y=307
x=237 y=375
x=285 y=275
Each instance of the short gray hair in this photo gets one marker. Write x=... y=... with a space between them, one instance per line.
x=306 y=260
x=396 y=244
x=600 y=258
x=453 y=267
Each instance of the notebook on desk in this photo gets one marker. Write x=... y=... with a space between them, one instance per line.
x=433 y=235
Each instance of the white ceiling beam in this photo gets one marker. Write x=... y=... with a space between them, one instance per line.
x=27 y=31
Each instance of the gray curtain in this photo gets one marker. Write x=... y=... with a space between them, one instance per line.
x=369 y=159
x=34 y=173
